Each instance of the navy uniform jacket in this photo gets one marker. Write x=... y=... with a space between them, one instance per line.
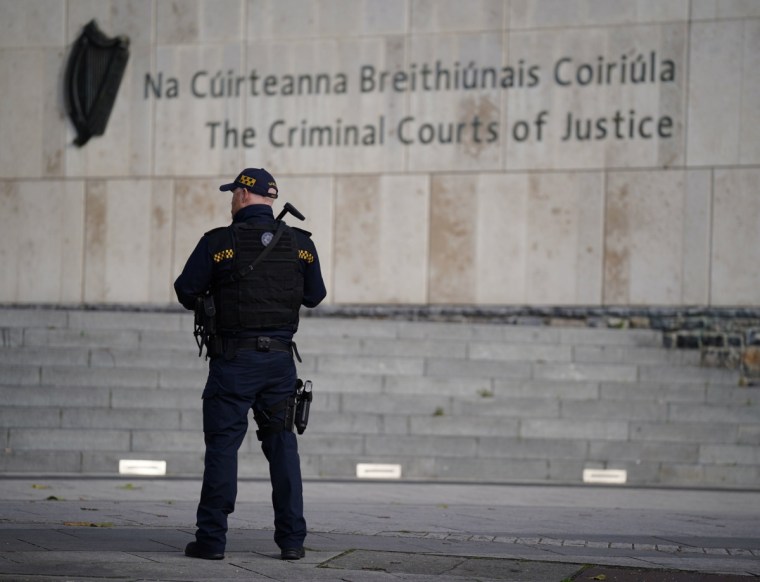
x=200 y=269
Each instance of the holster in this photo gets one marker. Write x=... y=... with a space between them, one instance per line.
x=296 y=413
x=303 y=404
x=205 y=327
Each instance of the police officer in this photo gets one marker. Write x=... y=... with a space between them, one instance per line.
x=259 y=272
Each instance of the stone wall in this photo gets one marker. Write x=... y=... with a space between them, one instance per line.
x=479 y=152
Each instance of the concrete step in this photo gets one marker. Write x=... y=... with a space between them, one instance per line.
x=157 y=442
x=704 y=424
x=415 y=467
x=495 y=459
x=167 y=324
x=644 y=367
x=363 y=328
x=171 y=368
x=501 y=343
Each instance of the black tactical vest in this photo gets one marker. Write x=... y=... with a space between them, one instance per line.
x=270 y=295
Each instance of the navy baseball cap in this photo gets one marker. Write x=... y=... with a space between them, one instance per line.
x=257 y=180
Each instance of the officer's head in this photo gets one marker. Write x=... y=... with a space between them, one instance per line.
x=252 y=186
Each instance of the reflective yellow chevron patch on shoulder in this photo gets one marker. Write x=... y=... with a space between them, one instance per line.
x=223 y=255
x=306 y=256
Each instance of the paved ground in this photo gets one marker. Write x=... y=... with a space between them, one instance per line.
x=114 y=529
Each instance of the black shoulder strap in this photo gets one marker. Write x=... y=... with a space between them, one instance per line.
x=236 y=276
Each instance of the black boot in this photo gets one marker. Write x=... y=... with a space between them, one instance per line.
x=195 y=550
x=292 y=553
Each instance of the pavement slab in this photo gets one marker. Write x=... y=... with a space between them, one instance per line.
x=615 y=574
x=467 y=568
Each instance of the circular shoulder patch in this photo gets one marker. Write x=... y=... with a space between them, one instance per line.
x=266 y=238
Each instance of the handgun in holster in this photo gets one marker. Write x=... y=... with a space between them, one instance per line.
x=295 y=409
x=303 y=404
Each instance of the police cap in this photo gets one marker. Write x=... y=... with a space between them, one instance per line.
x=257 y=180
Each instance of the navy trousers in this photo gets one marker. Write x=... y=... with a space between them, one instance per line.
x=232 y=388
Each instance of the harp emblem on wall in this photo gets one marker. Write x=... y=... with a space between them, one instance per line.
x=93 y=74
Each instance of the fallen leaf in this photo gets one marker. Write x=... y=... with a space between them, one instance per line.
x=599 y=577
x=36 y=486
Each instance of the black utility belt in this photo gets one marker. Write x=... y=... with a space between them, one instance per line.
x=260 y=344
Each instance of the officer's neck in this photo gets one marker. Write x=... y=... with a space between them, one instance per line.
x=253 y=211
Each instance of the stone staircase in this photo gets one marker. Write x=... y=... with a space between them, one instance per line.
x=83 y=389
